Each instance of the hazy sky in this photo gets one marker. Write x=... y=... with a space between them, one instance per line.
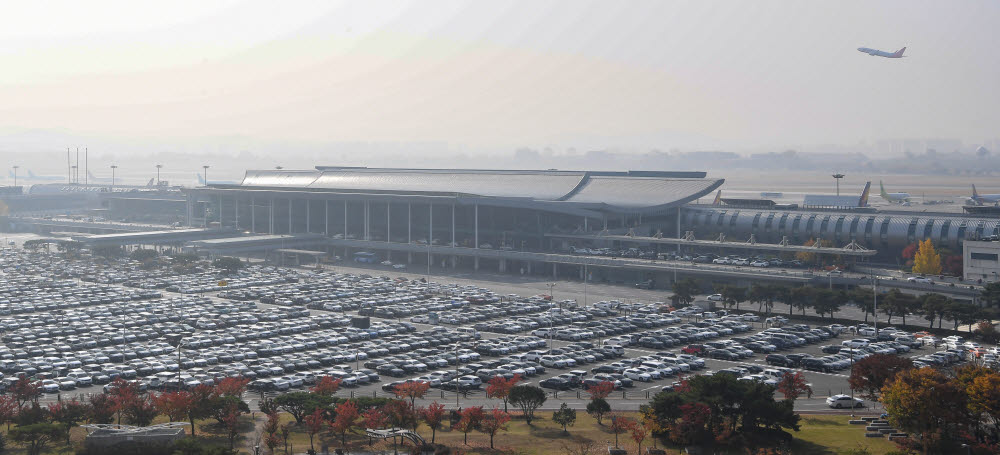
x=502 y=73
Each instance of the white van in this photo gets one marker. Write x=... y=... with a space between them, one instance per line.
x=469 y=331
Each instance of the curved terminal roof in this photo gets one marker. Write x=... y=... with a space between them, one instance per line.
x=628 y=191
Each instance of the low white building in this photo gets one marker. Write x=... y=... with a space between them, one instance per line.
x=981 y=260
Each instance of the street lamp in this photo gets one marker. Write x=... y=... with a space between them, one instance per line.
x=113 y=167
x=838 y=176
x=205 y=167
x=15 y=174
x=158 y=166
x=76 y=179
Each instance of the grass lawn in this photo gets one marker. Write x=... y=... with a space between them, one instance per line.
x=819 y=435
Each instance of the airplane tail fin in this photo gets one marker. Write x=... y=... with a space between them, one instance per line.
x=718 y=198
x=882 y=190
x=150 y=183
x=31 y=174
x=899 y=53
x=863 y=201
x=975 y=194
x=201 y=180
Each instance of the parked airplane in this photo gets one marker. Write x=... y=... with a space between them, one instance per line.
x=893 y=197
x=32 y=176
x=878 y=53
x=980 y=199
x=91 y=178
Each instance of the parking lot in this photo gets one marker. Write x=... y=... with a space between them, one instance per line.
x=76 y=324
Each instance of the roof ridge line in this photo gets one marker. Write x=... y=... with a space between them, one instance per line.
x=579 y=186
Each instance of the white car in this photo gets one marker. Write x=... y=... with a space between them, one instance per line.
x=920 y=279
x=856 y=343
x=399 y=266
x=760 y=264
x=844 y=401
x=715 y=297
x=637 y=375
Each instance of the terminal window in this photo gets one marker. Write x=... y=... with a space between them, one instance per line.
x=984 y=256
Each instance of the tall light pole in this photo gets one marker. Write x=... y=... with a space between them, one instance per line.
x=15 y=174
x=113 y=167
x=205 y=167
x=158 y=166
x=76 y=178
x=837 y=177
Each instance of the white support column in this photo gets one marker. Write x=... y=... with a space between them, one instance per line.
x=253 y=217
x=345 y=219
x=308 y=226
x=367 y=212
x=409 y=223
x=475 y=228
x=452 y=225
x=289 y=215
x=270 y=212
x=585 y=228
x=220 y=211
x=388 y=219
x=326 y=217
x=430 y=232
x=236 y=210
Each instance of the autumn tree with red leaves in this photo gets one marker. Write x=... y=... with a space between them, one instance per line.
x=601 y=390
x=314 y=424
x=469 y=420
x=122 y=394
x=272 y=432
x=499 y=387
x=69 y=413
x=793 y=385
x=234 y=387
x=346 y=415
x=619 y=424
x=24 y=391
x=374 y=418
x=326 y=386
x=412 y=390
x=8 y=409
x=102 y=408
x=638 y=431
x=141 y=411
x=493 y=423
x=433 y=416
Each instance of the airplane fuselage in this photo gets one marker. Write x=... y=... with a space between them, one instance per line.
x=878 y=53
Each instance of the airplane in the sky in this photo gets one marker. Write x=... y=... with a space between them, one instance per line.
x=878 y=53
x=893 y=197
x=980 y=199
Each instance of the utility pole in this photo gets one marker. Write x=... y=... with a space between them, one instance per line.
x=113 y=167
x=205 y=167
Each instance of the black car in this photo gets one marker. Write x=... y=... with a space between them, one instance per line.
x=779 y=360
x=722 y=354
x=555 y=383
x=815 y=364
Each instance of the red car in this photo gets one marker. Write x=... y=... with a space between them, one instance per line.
x=695 y=349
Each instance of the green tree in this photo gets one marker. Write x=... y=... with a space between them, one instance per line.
x=528 y=398
x=229 y=264
x=36 y=437
x=597 y=408
x=895 y=302
x=828 y=302
x=927 y=260
x=300 y=404
x=684 y=292
x=565 y=416
x=800 y=298
x=732 y=296
x=863 y=299
x=991 y=293
x=143 y=254
x=871 y=374
x=932 y=306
